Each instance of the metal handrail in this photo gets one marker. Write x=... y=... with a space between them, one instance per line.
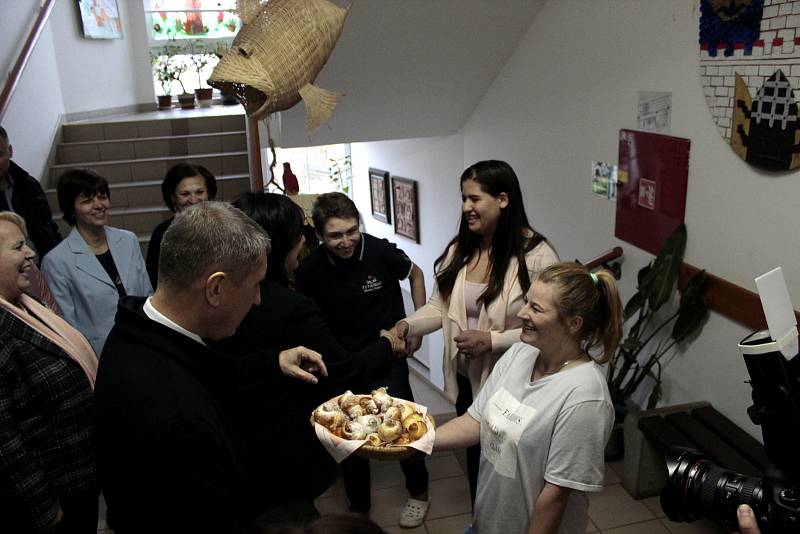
x=24 y=55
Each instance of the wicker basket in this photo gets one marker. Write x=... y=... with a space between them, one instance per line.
x=388 y=452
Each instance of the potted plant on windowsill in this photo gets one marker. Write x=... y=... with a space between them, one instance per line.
x=185 y=99
x=200 y=58
x=165 y=74
x=648 y=346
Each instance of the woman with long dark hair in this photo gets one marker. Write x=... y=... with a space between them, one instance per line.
x=276 y=418
x=480 y=286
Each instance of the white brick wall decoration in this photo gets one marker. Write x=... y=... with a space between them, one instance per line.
x=758 y=43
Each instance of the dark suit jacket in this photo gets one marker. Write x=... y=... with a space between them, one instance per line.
x=286 y=319
x=169 y=454
x=30 y=202
x=46 y=412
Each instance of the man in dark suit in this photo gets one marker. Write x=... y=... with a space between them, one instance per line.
x=170 y=455
x=22 y=193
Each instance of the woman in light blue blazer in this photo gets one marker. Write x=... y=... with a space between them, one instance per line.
x=96 y=264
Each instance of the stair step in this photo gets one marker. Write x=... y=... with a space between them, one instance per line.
x=138 y=169
x=134 y=152
x=127 y=129
x=78 y=152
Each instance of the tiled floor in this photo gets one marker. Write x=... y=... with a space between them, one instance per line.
x=611 y=511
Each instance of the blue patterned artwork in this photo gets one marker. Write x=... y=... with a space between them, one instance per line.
x=729 y=24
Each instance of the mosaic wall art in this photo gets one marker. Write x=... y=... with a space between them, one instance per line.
x=750 y=71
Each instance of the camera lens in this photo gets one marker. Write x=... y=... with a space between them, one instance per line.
x=696 y=488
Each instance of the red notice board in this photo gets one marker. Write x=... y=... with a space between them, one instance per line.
x=652 y=203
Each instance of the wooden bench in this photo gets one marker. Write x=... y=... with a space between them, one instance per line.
x=698 y=426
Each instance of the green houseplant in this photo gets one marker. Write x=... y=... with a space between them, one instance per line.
x=341 y=173
x=641 y=353
x=165 y=74
x=186 y=99
x=653 y=330
x=200 y=58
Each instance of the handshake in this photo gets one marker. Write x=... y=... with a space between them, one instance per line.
x=401 y=344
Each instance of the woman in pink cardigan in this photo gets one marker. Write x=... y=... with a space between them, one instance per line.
x=479 y=286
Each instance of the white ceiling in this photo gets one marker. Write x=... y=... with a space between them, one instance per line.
x=413 y=68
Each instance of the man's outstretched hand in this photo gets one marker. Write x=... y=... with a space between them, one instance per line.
x=300 y=362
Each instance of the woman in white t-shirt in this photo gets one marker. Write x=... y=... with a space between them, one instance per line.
x=481 y=280
x=544 y=415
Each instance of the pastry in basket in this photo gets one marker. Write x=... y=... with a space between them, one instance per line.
x=414 y=426
x=382 y=399
x=370 y=423
x=378 y=418
x=353 y=430
x=355 y=411
x=330 y=416
x=347 y=400
x=390 y=430
x=393 y=413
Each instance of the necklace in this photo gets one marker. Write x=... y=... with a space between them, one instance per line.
x=566 y=363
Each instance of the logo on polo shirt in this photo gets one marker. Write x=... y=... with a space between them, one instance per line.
x=371 y=284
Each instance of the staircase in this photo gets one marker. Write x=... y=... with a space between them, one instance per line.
x=134 y=154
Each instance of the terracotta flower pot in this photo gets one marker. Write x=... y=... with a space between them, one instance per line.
x=204 y=96
x=186 y=100
x=165 y=102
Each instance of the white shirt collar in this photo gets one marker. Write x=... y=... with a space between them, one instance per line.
x=158 y=317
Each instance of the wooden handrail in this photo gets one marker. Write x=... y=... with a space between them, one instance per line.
x=603 y=261
x=730 y=300
x=24 y=55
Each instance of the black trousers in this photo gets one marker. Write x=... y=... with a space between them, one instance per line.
x=355 y=470
x=463 y=402
x=80 y=513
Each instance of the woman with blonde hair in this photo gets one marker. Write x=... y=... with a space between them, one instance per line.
x=544 y=415
x=47 y=374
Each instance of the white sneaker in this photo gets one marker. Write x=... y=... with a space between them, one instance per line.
x=414 y=513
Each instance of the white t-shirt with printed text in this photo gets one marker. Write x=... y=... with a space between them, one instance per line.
x=552 y=430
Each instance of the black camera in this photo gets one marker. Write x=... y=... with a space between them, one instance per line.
x=696 y=487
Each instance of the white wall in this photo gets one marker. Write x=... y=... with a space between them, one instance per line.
x=435 y=163
x=101 y=73
x=33 y=113
x=557 y=104
x=67 y=73
x=412 y=68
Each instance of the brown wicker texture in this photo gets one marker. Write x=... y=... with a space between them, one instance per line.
x=277 y=55
x=388 y=452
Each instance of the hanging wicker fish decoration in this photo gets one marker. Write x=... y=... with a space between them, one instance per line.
x=277 y=55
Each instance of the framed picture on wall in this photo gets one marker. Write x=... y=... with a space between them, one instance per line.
x=100 y=19
x=406 y=209
x=379 y=195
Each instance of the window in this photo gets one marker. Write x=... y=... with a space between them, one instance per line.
x=191 y=19
x=184 y=35
x=319 y=169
